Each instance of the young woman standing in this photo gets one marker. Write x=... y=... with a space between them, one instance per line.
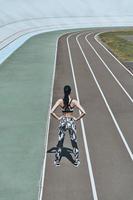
x=67 y=122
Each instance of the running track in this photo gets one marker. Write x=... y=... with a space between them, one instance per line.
x=105 y=135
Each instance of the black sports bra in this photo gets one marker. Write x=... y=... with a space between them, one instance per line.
x=67 y=108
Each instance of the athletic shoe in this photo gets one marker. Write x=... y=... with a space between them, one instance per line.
x=76 y=163
x=57 y=163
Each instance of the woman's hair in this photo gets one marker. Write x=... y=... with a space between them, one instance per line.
x=67 y=91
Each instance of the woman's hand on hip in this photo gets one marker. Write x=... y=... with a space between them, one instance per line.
x=59 y=118
x=75 y=118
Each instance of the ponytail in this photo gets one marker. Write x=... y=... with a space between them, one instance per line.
x=67 y=91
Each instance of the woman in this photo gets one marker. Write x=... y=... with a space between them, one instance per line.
x=67 y=122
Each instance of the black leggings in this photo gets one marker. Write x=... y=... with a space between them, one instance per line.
x=67 y=123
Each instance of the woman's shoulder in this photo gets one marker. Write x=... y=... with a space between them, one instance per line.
x=60 y=101
x=74 y=101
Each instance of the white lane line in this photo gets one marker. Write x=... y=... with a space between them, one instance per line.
x=96 y=38
x=104 y=98
x=83 y=130
x=41 y=184
x=109 y=69
x=47 y=130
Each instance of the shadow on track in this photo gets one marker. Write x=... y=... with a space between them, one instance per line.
x=66 y=152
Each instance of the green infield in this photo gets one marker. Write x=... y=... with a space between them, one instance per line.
x=120 y=43
x=25 y=88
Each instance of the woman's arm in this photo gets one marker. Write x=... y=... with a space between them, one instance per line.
x=54 y=108
x=77 y=104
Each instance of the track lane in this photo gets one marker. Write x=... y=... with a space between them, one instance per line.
x=110 y=161
x=111 y=164
x=120 y=105
x=92 y=180
x=65 y=182
x=105 y=101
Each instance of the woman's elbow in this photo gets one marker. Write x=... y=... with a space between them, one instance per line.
x=84 y=113
x=51 y=112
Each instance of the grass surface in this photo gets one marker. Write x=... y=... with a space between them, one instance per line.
x=122 y=48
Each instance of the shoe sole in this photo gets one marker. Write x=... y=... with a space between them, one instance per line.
x=57 y=165
x=77 y=165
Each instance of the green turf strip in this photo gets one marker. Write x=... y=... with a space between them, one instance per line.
x=118 y=43
x=25 y=85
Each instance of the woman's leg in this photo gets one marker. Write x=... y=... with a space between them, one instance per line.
x=59 y=145
x=73 y=137
x=61 y=136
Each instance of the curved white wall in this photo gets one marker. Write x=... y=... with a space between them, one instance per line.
x=18 y=17
x=18 y=9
